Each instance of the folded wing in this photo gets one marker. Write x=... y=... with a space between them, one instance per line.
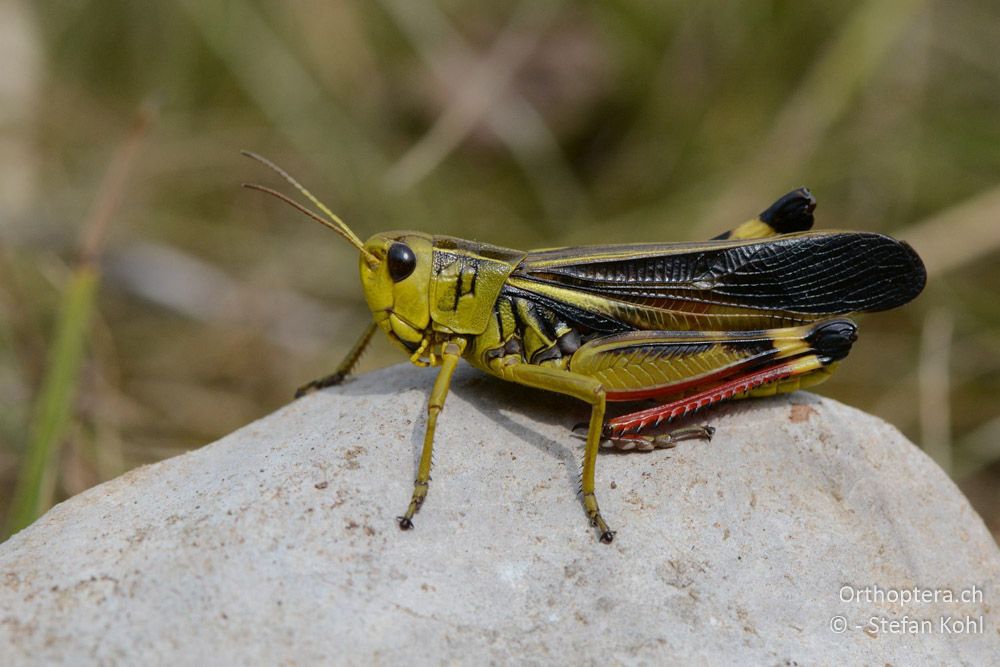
x=722 y=285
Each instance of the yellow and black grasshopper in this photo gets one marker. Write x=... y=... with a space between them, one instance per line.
x=755 y=311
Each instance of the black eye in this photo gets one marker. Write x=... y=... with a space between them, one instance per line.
x=402 y=261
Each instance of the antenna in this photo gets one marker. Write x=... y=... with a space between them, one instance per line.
x=332 y=220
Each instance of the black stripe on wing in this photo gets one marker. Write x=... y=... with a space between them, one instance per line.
x=815 y=273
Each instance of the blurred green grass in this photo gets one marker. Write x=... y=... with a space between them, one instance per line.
x=523 y=124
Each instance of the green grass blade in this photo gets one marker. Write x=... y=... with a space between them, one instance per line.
x=36 y=480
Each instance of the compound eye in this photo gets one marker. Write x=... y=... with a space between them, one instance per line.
x=402 y=261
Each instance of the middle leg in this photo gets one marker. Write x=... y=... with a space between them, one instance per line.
x=586 y=389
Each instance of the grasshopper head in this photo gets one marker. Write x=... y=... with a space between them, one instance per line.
x=395 y=266
x=397 y=285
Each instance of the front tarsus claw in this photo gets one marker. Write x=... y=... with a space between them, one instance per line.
x=306 y=389
x=404 y=523
x=322 y=383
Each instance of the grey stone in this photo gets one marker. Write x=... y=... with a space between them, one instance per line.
x=278 y=545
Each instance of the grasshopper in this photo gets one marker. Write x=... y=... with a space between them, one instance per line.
x=758 y=310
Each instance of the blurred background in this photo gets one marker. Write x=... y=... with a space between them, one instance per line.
x=149 y=305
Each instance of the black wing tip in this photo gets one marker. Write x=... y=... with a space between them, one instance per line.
x=792 y=212
x=917 y=274
x=829 y=273
x=908 y=278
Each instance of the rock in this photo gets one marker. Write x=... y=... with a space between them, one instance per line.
x=278 y=544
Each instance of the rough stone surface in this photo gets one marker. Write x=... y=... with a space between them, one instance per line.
x=277 y=544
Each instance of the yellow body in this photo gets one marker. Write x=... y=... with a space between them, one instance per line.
x=449 y=305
